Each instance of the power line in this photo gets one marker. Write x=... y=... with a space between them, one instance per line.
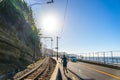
x=65 y=13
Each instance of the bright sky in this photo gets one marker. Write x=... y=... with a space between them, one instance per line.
x=90 y=25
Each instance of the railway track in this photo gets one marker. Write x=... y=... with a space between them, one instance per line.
x=43 y=71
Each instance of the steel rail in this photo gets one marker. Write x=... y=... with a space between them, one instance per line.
x=30 y=72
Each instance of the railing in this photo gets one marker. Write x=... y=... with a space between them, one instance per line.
x=107 y=57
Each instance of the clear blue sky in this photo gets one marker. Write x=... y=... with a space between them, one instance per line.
x=90 y=25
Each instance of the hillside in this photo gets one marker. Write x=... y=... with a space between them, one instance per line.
x=18 y=35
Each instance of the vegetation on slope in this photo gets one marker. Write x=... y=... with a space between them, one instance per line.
x=18 y=34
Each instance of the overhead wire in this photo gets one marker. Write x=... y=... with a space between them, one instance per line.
x=64 y=18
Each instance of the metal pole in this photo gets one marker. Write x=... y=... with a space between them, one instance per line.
x=104 y=56
x=107 y=58
x=98 y=57
x=84 y=55
x=112 y=56
x=52 y=46
x=89 y=56
x=57 y=47
x=93 y=56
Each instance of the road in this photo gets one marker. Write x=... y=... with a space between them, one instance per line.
x=93 y=72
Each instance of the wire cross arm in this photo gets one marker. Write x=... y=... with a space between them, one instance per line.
x=48 y=2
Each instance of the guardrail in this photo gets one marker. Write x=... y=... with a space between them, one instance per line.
x=106 y=57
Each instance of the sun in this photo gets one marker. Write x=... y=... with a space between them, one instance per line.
x=50 y=23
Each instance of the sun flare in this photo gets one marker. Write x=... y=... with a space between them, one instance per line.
x=50 y=23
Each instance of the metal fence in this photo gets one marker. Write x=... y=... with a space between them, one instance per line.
x=107 y=57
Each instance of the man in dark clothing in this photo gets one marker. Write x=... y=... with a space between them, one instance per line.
x=64 y=59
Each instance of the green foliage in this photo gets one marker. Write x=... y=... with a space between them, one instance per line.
x=16 y=18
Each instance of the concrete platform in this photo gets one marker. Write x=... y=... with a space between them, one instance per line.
x=66 y=76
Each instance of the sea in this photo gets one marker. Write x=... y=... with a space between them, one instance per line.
x=105 y=60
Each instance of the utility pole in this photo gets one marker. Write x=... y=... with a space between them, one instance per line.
x=57 y=47
x=52 y=46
